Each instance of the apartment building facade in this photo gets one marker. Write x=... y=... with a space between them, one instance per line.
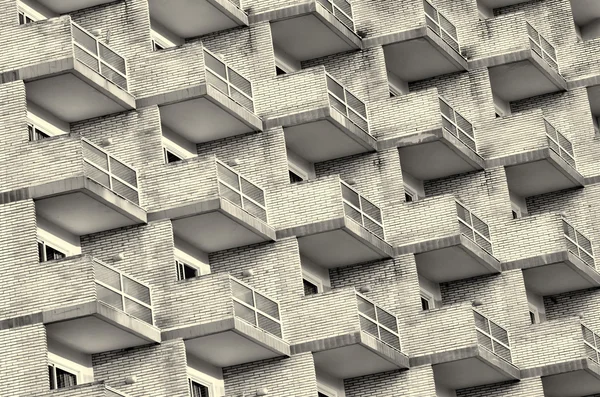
x=299 y=198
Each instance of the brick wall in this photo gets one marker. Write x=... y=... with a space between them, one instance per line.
x=376 y=18
x=418 y=381
x=531 y=387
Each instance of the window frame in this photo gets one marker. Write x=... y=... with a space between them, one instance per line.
x=33 y=130
x=45 y=244
x=27 y=12
x=536 y=314
x=64 y=368
x=160 y=40
x=411 y=193
x=427 y=297
x=314 y=280
x=180 y=272
x=290 y=172
x=173 y=152
x=201 y=382
x=327 y=391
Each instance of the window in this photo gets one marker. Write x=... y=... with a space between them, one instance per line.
x=35 y=134
x=424 y=304
x=60 y=377
x=185 y=271
x=322 y=395
x=515 y=215
x=48 y=253
x=309 y=288
x=156 y=46
x=197 y=389
x=532 y=317
x=25 y=17
x=171 y=157
x=409 y=195
x=426 y=301
x=279 y=71
x=295 y=178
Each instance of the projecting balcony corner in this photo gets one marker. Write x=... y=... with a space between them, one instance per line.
x=313 y=28
x=188 y=19
x=217 y=103
x=334 y=122
x=474 y=351
x=335 y=225
x=569 y=263
x=228 y=212
x=97 y=192
x=429 y=49
x=90 y=80
x=235 y=324
x=92 y=389
x=457 y=246
x=549 y=166
x=348 y=334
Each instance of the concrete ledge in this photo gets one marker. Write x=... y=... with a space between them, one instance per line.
x=234 y=13
x=311 y=7
x=588 y=81
x=174 y=96
x=312 y=228
x=437 y=134
x=105 y=86
x=81 y=184
x=581 y=364
x=375 y=243
x=263 y=338
x=383 y=350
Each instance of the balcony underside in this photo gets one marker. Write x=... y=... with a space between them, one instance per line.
x=215 y=225
x=307 y=31
x=418 y=54
x=96 y=327
x=79 y=205
x=520 y=75
x=228 y=342
x=585 y=11
x=351 y=355
x=594 y=99
x=187 y=18
x=203 y=114
x=537 y=172
x=338 y=242
x=71 y=91
x=555 y=273
x=450 y=258
x=323 y=134
x=452 y=157
x=500 y=3
x=575 y=378
x=67 y=6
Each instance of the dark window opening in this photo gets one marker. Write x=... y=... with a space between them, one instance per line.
x=171 y=157
x=392 y=94
x=279 y=71
x=156 y=46
x=47 y=253
x=23 y=19
x=294 y=178
x=60 y=378
x=322 y=395
x=532 y=317
x=424 y=304
x=408 y=198
x=35 y=134
x=309 y=288
x=185 y=271
x=198 y=390
x=515 y=215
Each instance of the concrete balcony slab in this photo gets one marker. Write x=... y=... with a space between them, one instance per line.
x=575 y=378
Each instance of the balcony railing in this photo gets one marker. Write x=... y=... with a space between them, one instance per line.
x=347 y=104
x=560 y=144
x=123 y=292
x=578 y=244
x=241 y=192
x=98 y=56
x=110 y=172
x=542 y=47
x=474 y=228
x=591 y=341
x=457 y=125
x=255 y=308
x=362 y=211
x=492 y=337
x=437 y=22
x=378 y=322
x=341 y=9
x=225 y=79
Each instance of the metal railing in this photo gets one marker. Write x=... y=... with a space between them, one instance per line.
x=542 y=47
x=347 y=104
x=457 y=125
x=255 y=308
x=437 y=22
x=378 y=322
x=341 y=9
x=362 y=211
x=591 y=341
x=560 y=144
x=122 y=292
x=110 y=172
x=492 y=336
x=578 y=244
x=98 y=56
x=474 y=228
x=241 y=192
x=225 y=79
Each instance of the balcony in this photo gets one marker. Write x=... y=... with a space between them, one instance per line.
x=542 y=160
x=94 y=389
x=219 y=104
x=348 y=334
x=235 y=324
x=92 y=191
x=333 y=123
x=312 y=29
x=449 y=138
x=196 y=18
x=565 y=262
x=455 y=247
x=85 y=79
x=492 y=4
x=429 y=49
x=335 y=225
x=522 y=67
x=217 y=209
x=472 y=349
x=100 y=308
